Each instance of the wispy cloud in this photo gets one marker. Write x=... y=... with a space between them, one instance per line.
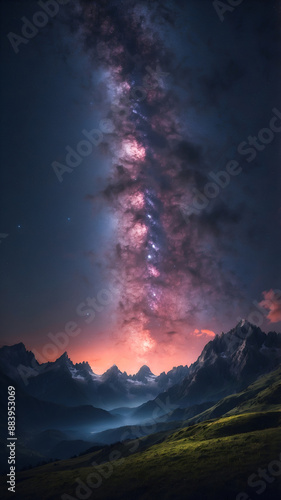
x=272 y=302
x=203 y=333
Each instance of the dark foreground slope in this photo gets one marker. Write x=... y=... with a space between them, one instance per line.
x=263 y=395
x=212 y=460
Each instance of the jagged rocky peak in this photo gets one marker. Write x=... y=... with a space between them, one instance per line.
x=112 y=371
x=84 y=365
x=246 y=331
x=20 y=347
x=64 y=356
x=144 y=374
x=245 y=326
x=144 y=370
x=17 y=354
x=63 y=360
x=14 y=349
x=226 y=344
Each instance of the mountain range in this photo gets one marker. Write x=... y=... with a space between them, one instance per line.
x=195 y=458
x=70 y=408
x=227 y=364
x=72 y=384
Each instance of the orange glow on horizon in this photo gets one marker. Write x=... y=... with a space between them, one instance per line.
x=131 y=349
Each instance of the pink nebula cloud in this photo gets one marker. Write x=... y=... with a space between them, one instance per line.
x=272 y=302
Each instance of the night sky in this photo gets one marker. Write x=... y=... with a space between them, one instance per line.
x=117 y=117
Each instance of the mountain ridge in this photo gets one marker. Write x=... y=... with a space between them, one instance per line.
x=226 y=364
x=75 y=384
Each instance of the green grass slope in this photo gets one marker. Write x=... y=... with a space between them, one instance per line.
x=211 y=460
x=263 y=395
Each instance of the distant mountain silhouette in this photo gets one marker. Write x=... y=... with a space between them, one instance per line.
x=71 y=384
x=35 y=414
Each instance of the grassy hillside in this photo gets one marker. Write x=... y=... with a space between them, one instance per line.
x=263 y=395
x=211 y=460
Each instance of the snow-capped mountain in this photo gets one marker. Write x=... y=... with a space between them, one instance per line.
x=227 y=364
x=144 y=375
x=71 y=384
